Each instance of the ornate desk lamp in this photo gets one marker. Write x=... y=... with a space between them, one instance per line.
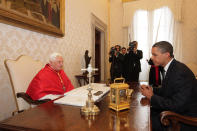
x=89 y=108
x=119 y=95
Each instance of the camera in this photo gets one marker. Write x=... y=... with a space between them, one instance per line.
x=132 y=45
x=112 y=50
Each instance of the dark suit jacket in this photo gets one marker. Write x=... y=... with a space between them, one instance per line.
x=116 y=66
x=134 y=61
x=125 y=66
x=178 y=91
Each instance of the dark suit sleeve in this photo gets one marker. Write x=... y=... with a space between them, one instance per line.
x=177 y=94
x=156 y=91
x=111 y=58
x=120 y=58
x=139 y=54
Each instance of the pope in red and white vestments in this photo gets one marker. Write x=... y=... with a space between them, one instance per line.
x=49 y=81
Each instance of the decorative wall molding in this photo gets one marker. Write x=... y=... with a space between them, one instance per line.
x=102 y=27
x=127 y=0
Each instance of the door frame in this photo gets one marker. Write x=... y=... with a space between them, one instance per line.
x=102 y=27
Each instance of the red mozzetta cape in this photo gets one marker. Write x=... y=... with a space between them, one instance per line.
x=47 y=81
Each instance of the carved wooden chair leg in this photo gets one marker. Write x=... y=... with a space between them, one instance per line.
x=175 y=125
x=173 y=120
x=13 y=113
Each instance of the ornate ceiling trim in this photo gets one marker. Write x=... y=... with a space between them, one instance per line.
x=127 y=0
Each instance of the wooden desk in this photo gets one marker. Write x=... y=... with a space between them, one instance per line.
x=50 y=116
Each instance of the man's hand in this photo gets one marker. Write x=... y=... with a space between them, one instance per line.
x=145 y=101
x=115 y=53
x=146 y=91
x=135 y=50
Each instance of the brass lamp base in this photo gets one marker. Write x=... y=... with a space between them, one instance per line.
x=89 y=108
x=119 y=107
x=90 y=111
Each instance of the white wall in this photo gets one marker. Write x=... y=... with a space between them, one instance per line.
x=116 y=22
x=16 y=41
x=189 y=16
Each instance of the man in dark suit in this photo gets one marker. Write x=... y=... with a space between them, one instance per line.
x=124 y=63
x=178 y=91
x=116 y=59
x=134 y=65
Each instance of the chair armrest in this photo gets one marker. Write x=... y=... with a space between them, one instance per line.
x=28 y=99
x=168 y=117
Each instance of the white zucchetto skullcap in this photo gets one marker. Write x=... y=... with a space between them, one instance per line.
x=53 y=56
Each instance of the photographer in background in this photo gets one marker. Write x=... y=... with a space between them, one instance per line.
x=134 y=65
x=116 y=60
x=124 y=63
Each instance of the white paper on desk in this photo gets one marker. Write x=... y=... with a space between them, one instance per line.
x=78 y=96
x=50 y=96
x=70 y=100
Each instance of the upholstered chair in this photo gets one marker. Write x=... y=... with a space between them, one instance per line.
x=21 y=71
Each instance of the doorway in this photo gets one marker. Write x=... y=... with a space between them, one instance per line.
x=97 y=55
x=99 y=48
